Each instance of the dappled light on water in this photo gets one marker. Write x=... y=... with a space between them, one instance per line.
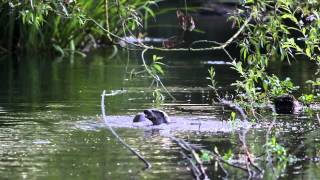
x=51 y=127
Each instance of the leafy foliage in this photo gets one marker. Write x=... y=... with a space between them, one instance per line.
x=156 y=66
x=206 y=156
x=228 y=155
x=277 y=151
x=307 y=99
x=67 y=24
x=158 y=97
x=212 y=75
x=278 y=87
x=279 y=30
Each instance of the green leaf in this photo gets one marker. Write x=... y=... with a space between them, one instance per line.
x=308 y=52
x=156 y=58
x=158 y=68
x=160 y=63
x=149 y=11
x=291 y=17
x=205 y=156
x=59 y=49
x=228 y=155
x=233 y=116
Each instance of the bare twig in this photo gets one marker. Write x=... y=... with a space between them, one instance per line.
x=223 y=169
x=148 y=165
x=235 y=107
x=31 y=4
x=217 y=157
x=228 y=54
x=106 y=9
x=269 y=156
x=195 y=163
x=250 y=161
x=205 y=41
x=212 y=48
x=197 y=168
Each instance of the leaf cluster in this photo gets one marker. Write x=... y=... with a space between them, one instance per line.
x=276 y=150
x=279 y=31
x=36 y=24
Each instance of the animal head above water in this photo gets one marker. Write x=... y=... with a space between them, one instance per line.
x=149 y=114
x=156 y=116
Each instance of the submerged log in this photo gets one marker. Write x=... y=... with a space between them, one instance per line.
x=287 y=104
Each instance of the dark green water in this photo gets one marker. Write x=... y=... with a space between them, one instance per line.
x=49 y=111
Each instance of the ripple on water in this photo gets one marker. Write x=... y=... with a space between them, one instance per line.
x=49 y=144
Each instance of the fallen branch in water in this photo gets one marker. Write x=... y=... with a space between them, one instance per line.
x=269 y=155
x=194 y=161
x=249 y=160
x=148 y=165
x=191 y=153
x=236 y=107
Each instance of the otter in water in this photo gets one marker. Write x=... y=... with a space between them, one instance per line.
x=157 y=117
x=139 y=118
x=287 y=104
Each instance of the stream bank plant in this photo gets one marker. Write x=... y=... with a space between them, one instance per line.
x=67 y=25
x=278 y=31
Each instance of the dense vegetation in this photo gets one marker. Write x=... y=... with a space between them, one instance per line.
x=282 y=30
x=67 y=25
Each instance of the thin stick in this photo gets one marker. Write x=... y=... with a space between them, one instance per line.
x=155 y=77
x=242 y=138
x=228 y=54
x=31 y=4
x=223 y=169
x=220 y=47
x=204 y=41
x=235 y=107
x=148 y=165
x=196 y=164
x=197 y=168
x=106 y=9
x=269 y=156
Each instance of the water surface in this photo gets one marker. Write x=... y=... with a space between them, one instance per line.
x=50 y=124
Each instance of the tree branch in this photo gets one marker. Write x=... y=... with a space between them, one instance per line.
x=106 y=9
x=148 y=165
x=212 y=48
x=235 y=107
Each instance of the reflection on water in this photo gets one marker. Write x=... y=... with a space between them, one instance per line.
x=50 y=126
x=49 y=145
